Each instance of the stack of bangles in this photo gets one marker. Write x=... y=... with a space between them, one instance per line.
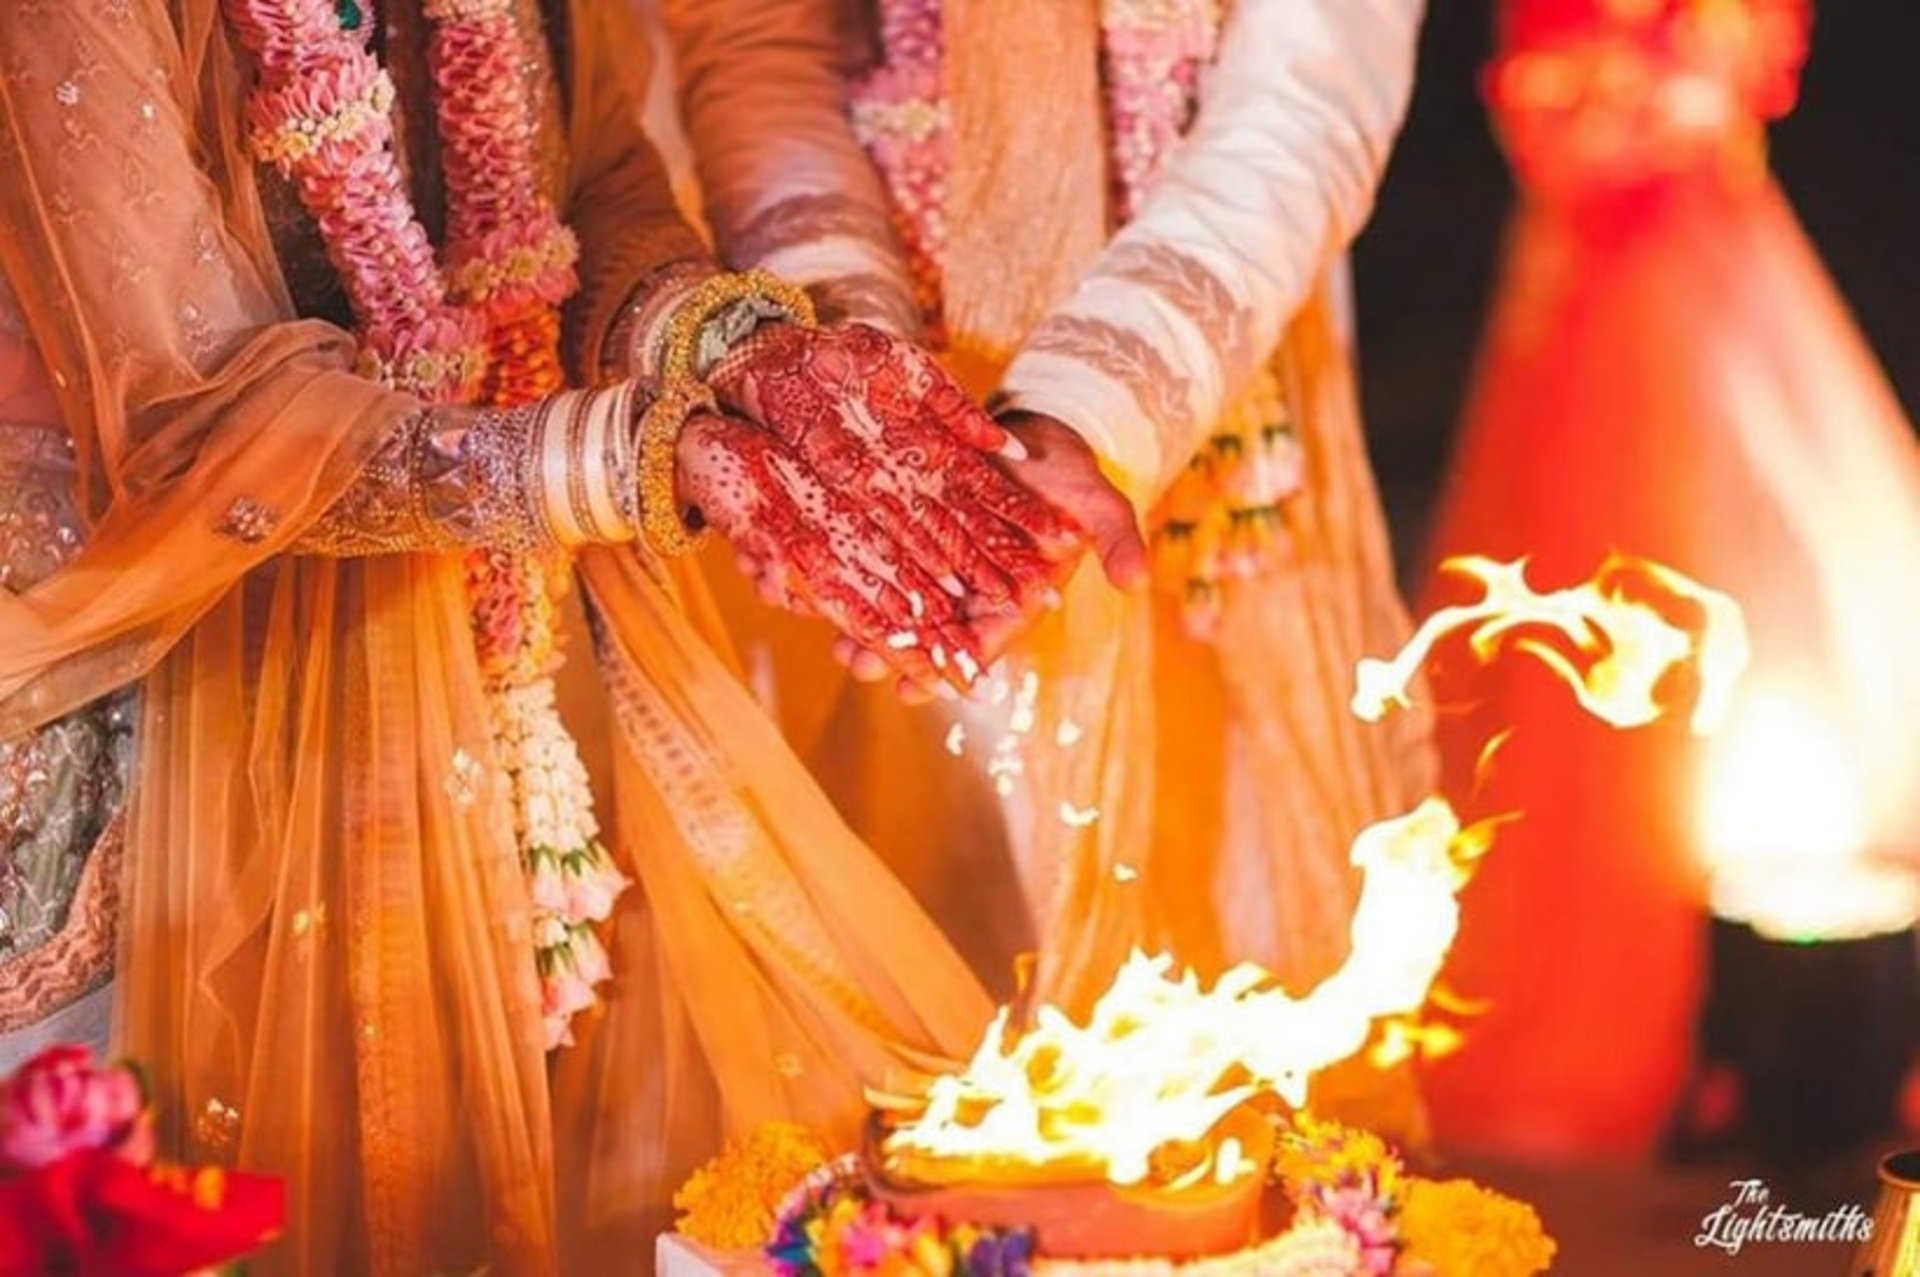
x=715 y=315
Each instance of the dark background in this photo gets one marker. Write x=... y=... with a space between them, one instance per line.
x=1849 y=157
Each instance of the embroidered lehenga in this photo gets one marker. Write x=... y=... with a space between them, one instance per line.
x=327 y=930
x=1127 y=217
x=60 y=784
x=1667 y=372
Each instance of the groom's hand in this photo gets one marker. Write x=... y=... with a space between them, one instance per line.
x=1059 y=467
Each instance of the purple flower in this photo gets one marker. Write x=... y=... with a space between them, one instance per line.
x=1001 y=1254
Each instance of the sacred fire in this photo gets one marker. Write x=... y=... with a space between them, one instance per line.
x=1153 y=1090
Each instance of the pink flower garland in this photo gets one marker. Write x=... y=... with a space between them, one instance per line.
x=321 y=114
x=899 y=113
x=1153 y=53
x=507 y=251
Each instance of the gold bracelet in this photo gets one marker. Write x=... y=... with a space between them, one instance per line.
x=660 y=427
x=680 y=345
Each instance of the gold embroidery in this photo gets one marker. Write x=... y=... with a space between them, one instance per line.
x=446 y=479
x=216 y=1128
x=249 y=521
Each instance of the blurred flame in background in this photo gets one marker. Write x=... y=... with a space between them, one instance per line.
x=1629 y=645
x=1784 y=824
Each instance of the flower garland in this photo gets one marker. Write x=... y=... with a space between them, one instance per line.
x=1357 y=1213
x=1152 y=52
x=830 y=1226
x=485 y=329
x=1221 y=519
x=899 y=113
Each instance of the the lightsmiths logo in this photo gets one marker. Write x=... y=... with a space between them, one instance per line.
x=1753 y=1216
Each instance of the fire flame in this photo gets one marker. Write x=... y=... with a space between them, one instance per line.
x=1161 y=1062
x=1632 y=645
x=1176 y=1058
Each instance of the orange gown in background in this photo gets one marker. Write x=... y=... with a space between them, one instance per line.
x=1669 y=373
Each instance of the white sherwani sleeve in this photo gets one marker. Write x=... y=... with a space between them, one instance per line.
x=1277 y=174
x=764 y=98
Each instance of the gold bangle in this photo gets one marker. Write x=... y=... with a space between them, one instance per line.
x=709 y=297
x=660 y=427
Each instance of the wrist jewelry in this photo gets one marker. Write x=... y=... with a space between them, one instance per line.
x=583 y=466
x=660 y=427
x=722 y=311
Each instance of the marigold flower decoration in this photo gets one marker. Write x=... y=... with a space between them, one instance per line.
x=1457 y=1228
x=731 y=1202
x=1357 y=1213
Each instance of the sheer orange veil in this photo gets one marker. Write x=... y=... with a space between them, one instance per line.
x=325 y=958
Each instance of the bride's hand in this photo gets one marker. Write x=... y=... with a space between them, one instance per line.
x=1056 y=464
x=884 y=427
x=809 y=548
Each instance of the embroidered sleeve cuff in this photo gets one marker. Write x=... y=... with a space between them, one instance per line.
x=562 y=471
x=1098 y=408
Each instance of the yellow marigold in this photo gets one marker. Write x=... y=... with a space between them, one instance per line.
x=1464 y=1230
x=730 y=1202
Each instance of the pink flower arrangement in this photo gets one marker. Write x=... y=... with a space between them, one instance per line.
x=60 y=1102
x=1359 y=1211
x=508 y=269
x=569 y=973
x=82 y=1192
x=593 y=884
x=548 y=887
x=321 y=113
x=1153 y=52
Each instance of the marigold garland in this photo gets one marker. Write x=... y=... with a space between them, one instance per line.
x=732 y=1202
